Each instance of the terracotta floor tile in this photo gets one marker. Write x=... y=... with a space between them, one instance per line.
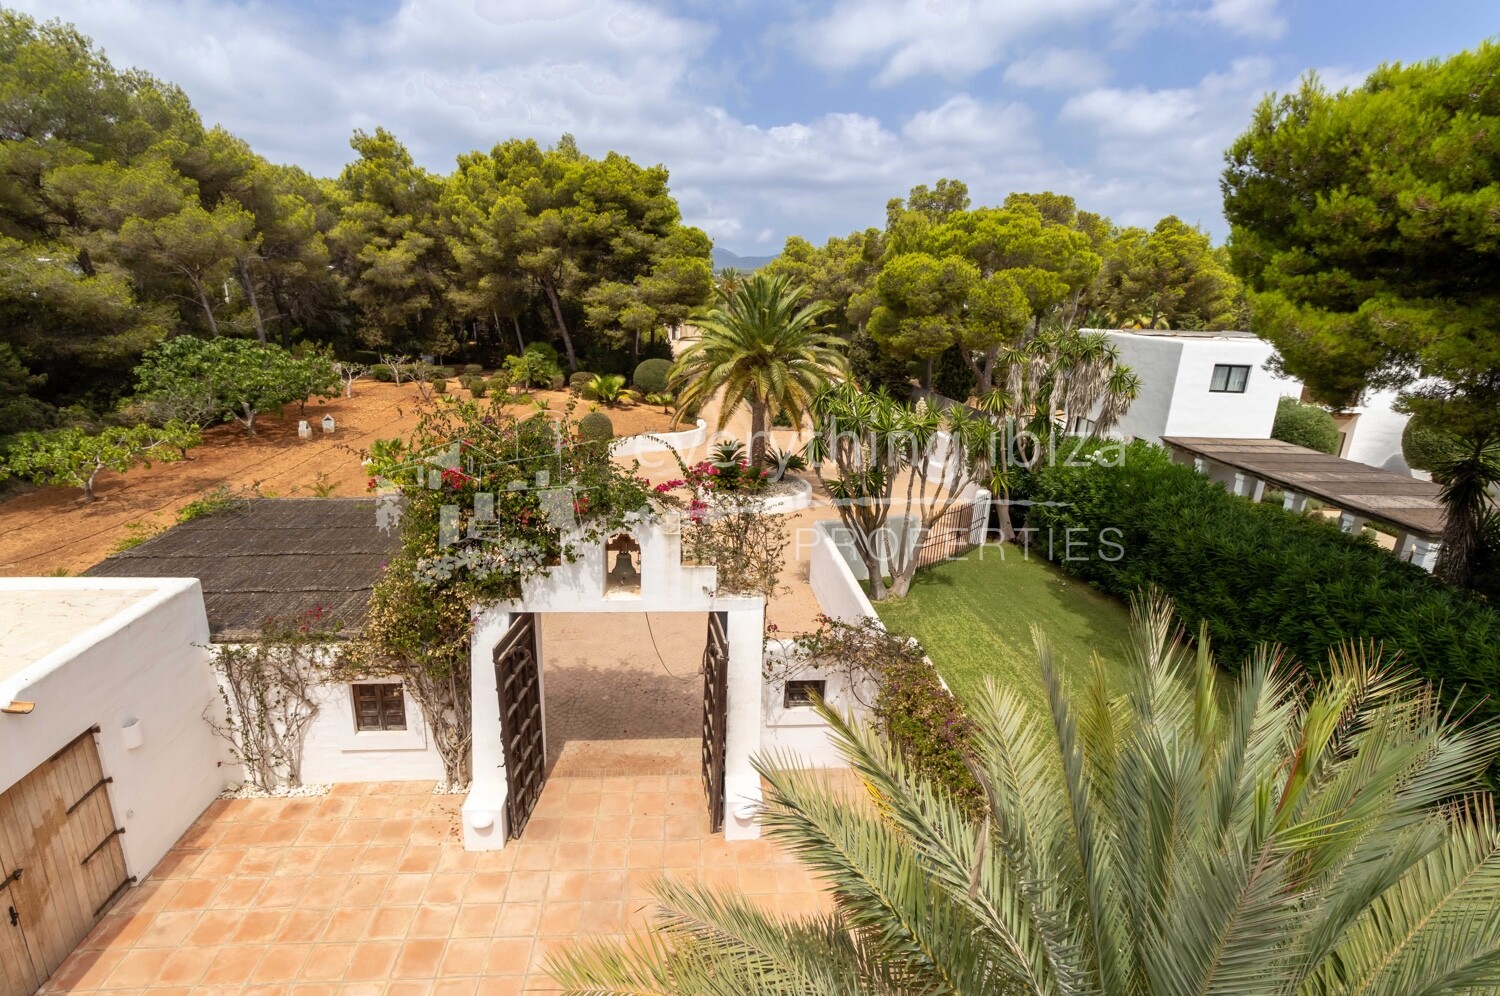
x=259 y=926
x=455 y=987
x=281 y=963
x=372 y=961
x=602 y=918
x=377 y=859
x=433 y=922
x=303 y=926
x=560 y=918
x=518 y=919
x=446 y=887
x=508 y=957
x=391 y=922
x=258 y=862
x=419 y=959
x=501 y=985
x=168 y=929
x=604 y=885
x=464 y=957
x=476 y=920
x=319 y=832
x=364 y=890
x=327 y=962
x=233 y=964
x=417 y=860
x=456 y=859
x=298 y=860
x=325 y=891
x=535 y=855
x=348 y=925
x=526 y=887
x=239 y=893
x=566 y=885
x=340 y=859
x=220 y=862
x=139 y=967
x=486 y=887
x=282 y=892
x=214 y=927
x=405 y=890
x=185 y=966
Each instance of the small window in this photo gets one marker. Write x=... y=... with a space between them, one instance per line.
x=379 y=707
x=800 y=694
x=1229 y=378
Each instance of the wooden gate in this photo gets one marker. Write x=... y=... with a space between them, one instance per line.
x=952 y=535
x=61 y=859
x=518 y=675
x=715 y=717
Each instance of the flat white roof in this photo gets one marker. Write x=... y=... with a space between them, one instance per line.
x=1182 y=333
x=34 y=622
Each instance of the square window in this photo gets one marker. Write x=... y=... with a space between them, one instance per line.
x=799 y=694
x=1229 y=378
x=379 y=707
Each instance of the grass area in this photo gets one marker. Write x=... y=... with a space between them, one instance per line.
x=974 y=618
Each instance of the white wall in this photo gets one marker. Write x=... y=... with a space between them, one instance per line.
x=1176 y=373
x=666 y=586
x=1375 y=438
x=148 y=662
x=660 y=442
x=799 y=733
x=337 y=751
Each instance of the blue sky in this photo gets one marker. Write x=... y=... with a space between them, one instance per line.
x=783 y=118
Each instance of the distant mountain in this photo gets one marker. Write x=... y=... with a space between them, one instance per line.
x=724 y=260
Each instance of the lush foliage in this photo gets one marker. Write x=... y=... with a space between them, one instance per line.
x=1253 y=573
x=761 y=346
x=1424 y=446
x=1367 y=224
x=608 y=388
x=74 y=458
x=241 y=378
x=1266 y=839
x=596 y=427
x=535 y=367
x=474 y=539
x=651 y=375
x=1305 y=425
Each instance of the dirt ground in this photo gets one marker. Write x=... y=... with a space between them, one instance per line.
x=50 y=530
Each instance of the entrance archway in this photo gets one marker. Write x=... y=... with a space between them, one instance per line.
x=707 y=685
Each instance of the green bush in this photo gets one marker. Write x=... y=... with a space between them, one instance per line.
x=545 y=350
x=500 y=382
x=1305 y=425
x=532 y=369
x=596 y=427
x=447 y=372
x=580 y=380
x=478 y=387
x=439 y=383
x=1257 y=574
x=558 y=381
x=651 y=376
x=473 y=369
x=383 y=372
x=1424 y=447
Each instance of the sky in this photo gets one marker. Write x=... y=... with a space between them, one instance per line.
x=780 y=118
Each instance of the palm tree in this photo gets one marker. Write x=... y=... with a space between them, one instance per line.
x=1468 y=471
x=1275 y=837
x=759 y=345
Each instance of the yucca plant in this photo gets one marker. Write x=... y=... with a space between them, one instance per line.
x=1273 y=837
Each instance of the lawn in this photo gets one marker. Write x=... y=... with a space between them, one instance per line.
x=974 y=618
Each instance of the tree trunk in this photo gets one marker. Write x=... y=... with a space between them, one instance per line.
x=757 y=434
x=88 y=484
x=248 y=421
x=242 y=270
x=283 y=317
x=927 y=375
x=562 y=325
x=213 y=324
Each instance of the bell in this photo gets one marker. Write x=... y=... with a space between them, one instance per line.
x=624 y=571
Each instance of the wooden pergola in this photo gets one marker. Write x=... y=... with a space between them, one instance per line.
x=1359 y=492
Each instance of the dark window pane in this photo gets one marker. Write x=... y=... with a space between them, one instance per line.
x=801 y=692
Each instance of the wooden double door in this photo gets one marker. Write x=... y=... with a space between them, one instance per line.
x=61 y=861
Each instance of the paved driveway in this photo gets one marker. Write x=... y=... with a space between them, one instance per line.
x=368 y=890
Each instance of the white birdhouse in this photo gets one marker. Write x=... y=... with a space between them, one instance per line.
x=327 y=423
x=304 y=431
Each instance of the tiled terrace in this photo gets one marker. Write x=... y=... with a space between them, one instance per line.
x=368 y=890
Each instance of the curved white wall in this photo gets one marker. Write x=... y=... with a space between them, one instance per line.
x=660 y=442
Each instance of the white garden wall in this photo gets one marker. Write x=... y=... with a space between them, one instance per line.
x=146 y=663
x=798 y=733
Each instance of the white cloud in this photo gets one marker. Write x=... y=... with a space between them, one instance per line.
x=1059 y=69
x=949 y=38
x=1162 y=150
x=1250 y=18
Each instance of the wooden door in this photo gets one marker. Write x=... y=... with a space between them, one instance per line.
x=18 y=975
x=518 y=678
x=59 y=835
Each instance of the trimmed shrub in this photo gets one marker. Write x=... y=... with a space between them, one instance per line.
x=500 y=382
x=558 y=382
x=478 y=387
x=651 y=376
x=595 y=427
x=447 y=372
x=1424 y=447
x=1257 y=574
x=439 y=384
x=383 y=372
x=473 y=369
x=1305 y=425
x=580 y=380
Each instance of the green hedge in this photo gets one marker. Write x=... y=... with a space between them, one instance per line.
x=1258 y=574
x=1305 y=425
